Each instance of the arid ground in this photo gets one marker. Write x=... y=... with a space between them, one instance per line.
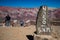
x=21 y=33
x=16 y=33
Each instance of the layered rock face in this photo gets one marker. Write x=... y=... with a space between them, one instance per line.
x=27 y=13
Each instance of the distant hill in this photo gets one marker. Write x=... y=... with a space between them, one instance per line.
x=26 y=13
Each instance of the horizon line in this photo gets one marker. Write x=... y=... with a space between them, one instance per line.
x=26 y=7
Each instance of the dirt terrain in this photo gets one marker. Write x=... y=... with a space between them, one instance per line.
x=21 y=33
x=56 y=32
x=16 y=33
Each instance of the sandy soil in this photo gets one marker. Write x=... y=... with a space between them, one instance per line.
x=22 y=33
x=16 y=33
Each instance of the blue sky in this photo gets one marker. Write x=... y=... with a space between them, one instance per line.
x=30 y=3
